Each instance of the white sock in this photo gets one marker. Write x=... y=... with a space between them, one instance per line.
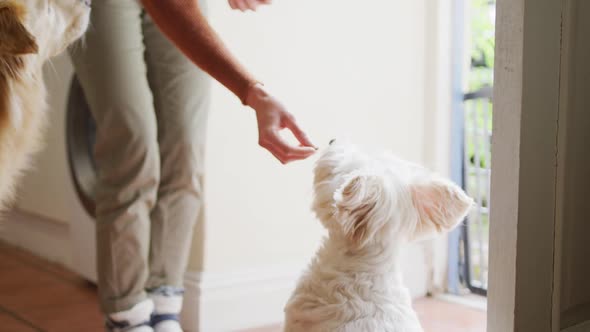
x=167 y=305
x=136 y=319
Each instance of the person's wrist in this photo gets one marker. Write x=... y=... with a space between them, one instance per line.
x=256 y=96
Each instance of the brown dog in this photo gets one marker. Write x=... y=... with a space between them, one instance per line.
x=31 y=31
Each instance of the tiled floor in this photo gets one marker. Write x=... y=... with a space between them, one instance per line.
x=38 y=296
x=436 y=316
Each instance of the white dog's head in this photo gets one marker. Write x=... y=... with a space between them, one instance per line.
x=376 y=198
x=43 y=27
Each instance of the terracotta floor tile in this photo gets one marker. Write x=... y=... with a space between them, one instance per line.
x=8 y=322
x=36 y=295
x=441 y=316
x=46 y=295
x=19 y=257
x=276 y=328
x=436 y=316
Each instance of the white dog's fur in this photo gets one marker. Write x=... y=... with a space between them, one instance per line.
x=31 y=31
x=371 y=204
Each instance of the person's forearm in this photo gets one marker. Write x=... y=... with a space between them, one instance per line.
x=184 y=23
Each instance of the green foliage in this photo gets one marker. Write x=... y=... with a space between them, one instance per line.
x=483 y=43
x=478 y=129
x=483 y=29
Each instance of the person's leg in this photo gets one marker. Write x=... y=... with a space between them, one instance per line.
x=111 y=67
x=181 y=96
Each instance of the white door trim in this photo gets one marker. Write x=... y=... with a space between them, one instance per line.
x=526 y=108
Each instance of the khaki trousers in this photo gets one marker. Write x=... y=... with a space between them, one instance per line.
x=150 y=104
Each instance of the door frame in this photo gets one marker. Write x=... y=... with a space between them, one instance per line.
x=523 y=226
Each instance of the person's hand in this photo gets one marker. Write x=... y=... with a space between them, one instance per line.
x=272 y=117
x=245 y=5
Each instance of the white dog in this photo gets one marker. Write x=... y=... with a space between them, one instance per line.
x=371 y=205
x=31 y=31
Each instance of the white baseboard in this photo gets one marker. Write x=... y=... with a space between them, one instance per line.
x=236 y=301
x=40 y=236
x=584 y=327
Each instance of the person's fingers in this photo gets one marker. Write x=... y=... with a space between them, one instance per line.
x=290 y=150
x=277 y=155
x=241 y=5
x=282 y=150
x=263 y=2
x=252 y=4
x=301 y=136
x=232 y=4
x=266 y=144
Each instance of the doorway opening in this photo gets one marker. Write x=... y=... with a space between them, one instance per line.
x=473 y=109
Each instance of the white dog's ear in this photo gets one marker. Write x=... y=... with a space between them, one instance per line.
x=441 y=205
x=15 y=39
x=356 y=205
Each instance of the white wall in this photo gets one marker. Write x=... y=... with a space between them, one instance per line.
x=344 y=69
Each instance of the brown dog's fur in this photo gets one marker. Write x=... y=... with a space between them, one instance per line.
x=23 y=50
x=22 y=100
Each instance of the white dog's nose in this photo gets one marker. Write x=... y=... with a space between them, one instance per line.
x=332 y=141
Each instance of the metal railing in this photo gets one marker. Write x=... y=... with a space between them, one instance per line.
x=476 y=181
